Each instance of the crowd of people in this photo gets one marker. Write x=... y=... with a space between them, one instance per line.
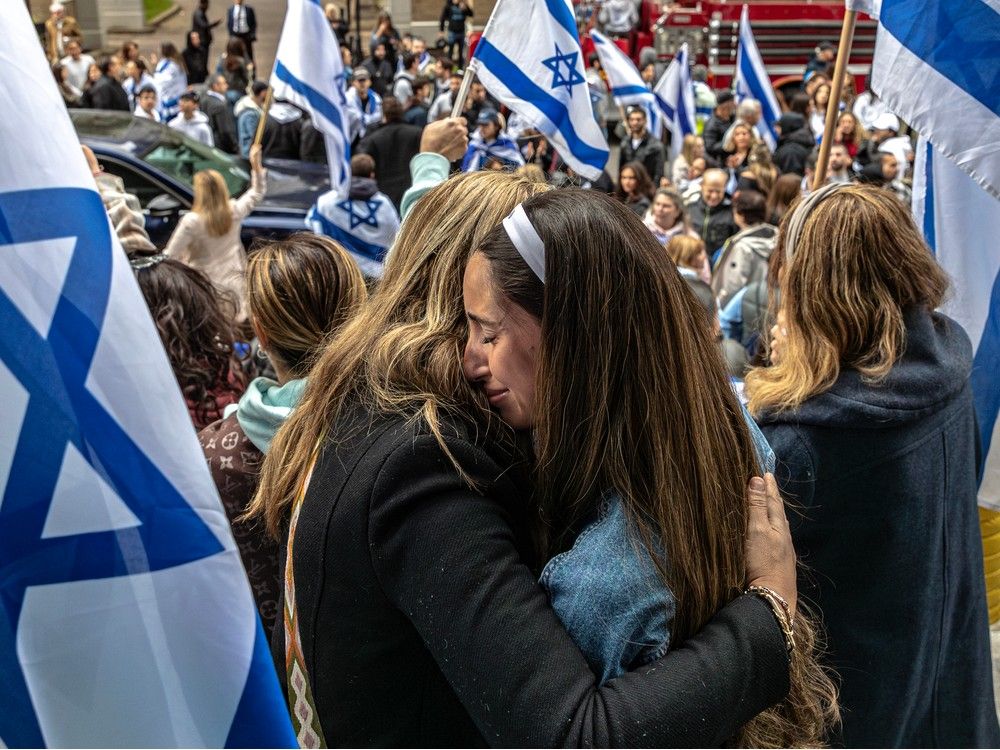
x=506 y=451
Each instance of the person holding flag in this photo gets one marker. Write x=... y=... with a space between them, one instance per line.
x=752 y=82
x=309 y=73
x=126 y=619
x=489 y=146
x=674 y=94
x=540 y=76
x=365 y=222
x=628 y=88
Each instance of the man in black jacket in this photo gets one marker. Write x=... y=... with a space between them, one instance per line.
x=711 y=214
x=107 y=91
x=722 y=117
x=220 y=118
x=639 y=145
x=392 y=146
x=795 y=141
x=242 y=24
x=201 y=24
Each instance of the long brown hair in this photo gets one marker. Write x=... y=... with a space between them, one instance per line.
x=787 y=189
x=195 y=325
x=299 y=291
x=211 y=202
x=632 y=396
x=402 y=352
x=859 y=265
x=644 y=183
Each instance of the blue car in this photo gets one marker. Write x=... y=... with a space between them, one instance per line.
x=157 y=165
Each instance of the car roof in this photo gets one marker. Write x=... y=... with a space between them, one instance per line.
x=121 y=130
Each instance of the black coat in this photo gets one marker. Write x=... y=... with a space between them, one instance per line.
x=714 y=224
x=223 y=124
x=793 y=150
x=889 y=536
x=382 y=74
x=106 y=93
x=196 y=62
x=201 y=24
x=713 y=133
x=392 y=146
x=650 y=153
x=422 y=625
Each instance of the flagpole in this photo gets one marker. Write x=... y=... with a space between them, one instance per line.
x=259 y=135
x=836 y=88
x=470 y=70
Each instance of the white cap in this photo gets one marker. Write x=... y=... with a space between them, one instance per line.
x=56 y=7
x=886 y=121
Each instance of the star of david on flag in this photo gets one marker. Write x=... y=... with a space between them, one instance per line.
x=560 y=62
x=125 y=615
x=514 y=60
x=355 y=216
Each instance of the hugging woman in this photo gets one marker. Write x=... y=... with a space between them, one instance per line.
x=413 y=608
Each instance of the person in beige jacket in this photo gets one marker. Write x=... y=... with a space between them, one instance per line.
x=59 y=29
x=208 y=237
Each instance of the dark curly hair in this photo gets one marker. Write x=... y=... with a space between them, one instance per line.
x=195 y=325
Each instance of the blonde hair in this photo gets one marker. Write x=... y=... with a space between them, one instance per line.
x=684 y=249
x=762 y=168
x=860 y=263
x=402 y=352
x=211 y=202
x=687 y=149
x=729 y=141
x=300 y=290
x=531 y=172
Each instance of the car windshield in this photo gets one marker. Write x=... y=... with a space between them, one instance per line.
x=163 y=148
x=181 y=157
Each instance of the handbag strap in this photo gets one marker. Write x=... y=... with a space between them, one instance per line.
x=301 y=705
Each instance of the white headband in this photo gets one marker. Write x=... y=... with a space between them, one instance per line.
x=526 y=240
x=801 y=213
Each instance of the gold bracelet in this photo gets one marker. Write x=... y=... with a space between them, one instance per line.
x=781 y=612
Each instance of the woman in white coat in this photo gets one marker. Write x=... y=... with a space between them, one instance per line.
x=208 y=237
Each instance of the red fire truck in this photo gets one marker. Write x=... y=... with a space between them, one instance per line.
x=787 y=32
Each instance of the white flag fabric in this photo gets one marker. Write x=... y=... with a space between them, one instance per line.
x=752 y=82
x=309 y=72
x=529 y=58
x=937 y=66
x=502 y=148
x=126 y=619
x=961 y=222
x=674 y=94
x=365 y=226
x=625 y=81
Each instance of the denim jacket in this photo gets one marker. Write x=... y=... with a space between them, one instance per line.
x=606 y=590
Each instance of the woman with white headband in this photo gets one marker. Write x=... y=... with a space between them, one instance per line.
x=868 y=382
x=413 y=612
x=582 y=331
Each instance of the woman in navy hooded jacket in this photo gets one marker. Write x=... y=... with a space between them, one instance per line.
x=869 y=384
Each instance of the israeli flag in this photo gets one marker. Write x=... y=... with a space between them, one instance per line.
x=961 y=223
x=366 y=227
x=937 y=66
x=752 y=82
x=944 y=78
x=674 y=94
x=479 y=152
x=625 y=80
x=529 y=58
x=126 y=619
x=309 y=72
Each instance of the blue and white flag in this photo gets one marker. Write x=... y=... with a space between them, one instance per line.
x=501 y=148
x=674 y=94
x=961 y=223
x=126 y=619
x=752 y=82
x=529 y=58
x=937 y=66
x=366 y=227
x=625 y=81
x=309 y=72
